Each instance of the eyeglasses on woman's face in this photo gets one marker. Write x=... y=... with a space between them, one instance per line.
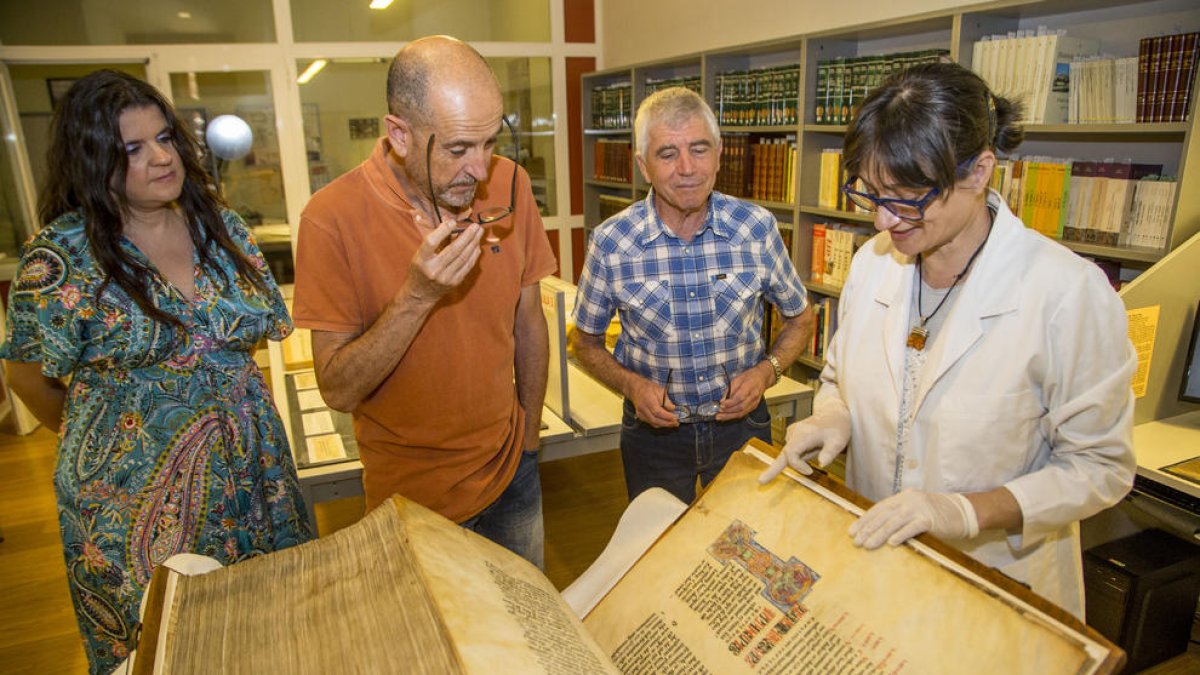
x=912 y=210
x=905 y=209
x=485 y=216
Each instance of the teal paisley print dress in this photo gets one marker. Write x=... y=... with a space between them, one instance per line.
x=169 y=442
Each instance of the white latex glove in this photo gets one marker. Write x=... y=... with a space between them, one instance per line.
x=823 y=435
x=902 y=517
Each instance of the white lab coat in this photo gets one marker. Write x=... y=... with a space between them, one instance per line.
x=1026 y=386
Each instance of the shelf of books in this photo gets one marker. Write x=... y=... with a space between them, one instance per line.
x=840 y=68
x=685 y=72
x=607 y=143
x=1110 y=88
x=755 y=94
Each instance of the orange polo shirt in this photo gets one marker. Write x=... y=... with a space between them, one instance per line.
x=444 y=428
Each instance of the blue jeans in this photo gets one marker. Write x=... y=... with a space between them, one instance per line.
x=514 y=520
x=672 y=458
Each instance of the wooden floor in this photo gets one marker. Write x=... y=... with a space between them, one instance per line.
x=583 y=499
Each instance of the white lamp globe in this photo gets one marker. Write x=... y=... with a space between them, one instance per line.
x=229 y=137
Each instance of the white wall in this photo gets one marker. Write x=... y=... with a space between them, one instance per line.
x=634 y=31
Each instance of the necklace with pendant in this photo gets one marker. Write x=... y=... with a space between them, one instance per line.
x=919 y=335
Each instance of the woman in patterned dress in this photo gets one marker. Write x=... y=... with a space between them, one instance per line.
x=132 y=326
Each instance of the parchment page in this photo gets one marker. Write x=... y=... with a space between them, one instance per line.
x=402 y=591
x=352 y=602
x=765 y=579
x=501 y=612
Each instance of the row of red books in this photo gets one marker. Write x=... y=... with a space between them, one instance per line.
x=758 y=167
x=613 y=160
x=1166 y=75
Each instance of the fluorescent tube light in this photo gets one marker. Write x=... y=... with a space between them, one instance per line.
x=312 y=70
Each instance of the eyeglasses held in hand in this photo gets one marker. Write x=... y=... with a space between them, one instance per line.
x=700 y=413
x=486 y=216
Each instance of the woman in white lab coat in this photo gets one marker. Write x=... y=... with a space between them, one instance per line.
x=980 y=371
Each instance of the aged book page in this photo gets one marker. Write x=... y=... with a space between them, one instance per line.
x=404 y=590
x=765 y=579
x=502 y=613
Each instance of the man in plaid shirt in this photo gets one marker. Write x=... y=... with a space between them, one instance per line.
x=687 y=268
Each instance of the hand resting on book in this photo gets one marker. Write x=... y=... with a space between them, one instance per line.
x=903 y=516
x=822 y=436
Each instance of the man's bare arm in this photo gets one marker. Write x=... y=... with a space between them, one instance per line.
x=532 y=341
x=746 y=389
x=794 y=335
x=647 y=396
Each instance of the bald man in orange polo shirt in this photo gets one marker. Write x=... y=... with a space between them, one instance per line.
x=430 y=333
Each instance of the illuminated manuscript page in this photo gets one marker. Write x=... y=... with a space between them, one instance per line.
x=764 y=579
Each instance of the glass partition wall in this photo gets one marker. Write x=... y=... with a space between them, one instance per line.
x=344 y=103
x=244 y=57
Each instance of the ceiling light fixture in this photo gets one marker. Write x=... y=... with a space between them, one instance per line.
x=380 y=4
x=311 y=71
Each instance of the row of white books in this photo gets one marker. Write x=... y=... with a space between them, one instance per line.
x=1149 y=214
x=1103 y=91
x=1034 y=67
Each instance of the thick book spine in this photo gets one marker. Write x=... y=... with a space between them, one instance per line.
x=817 y=265
x=1143 y=81
x=1158 y=77
x=1185 y=77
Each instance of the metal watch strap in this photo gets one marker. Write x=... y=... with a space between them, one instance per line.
x=776 y=365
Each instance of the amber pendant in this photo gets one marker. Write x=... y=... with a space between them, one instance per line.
x=916 y=337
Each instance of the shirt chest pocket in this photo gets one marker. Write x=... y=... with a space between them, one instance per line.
x=735 y=301
x=645 y=309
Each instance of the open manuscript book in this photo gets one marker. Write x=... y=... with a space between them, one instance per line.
x=751 y=579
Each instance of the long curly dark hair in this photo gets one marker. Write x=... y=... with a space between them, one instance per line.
x=87 y=159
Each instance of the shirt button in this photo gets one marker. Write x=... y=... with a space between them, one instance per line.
x=696 y=335
x=692 y=294
x=911 y=464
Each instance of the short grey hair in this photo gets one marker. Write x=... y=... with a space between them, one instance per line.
x=672 y=106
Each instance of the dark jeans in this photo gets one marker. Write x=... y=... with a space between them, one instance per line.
x=672 y=458
x=514 y=520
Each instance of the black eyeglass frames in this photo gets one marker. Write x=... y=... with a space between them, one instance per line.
x=700 y=413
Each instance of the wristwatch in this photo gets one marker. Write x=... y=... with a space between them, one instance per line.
x=776 y=365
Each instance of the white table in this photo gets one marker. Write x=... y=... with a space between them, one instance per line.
x=595 y=427
x=1164 y=442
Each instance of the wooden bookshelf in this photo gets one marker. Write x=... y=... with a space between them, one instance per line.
x=1117 y=25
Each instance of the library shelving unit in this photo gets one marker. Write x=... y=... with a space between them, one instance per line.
x=607 y=117
x=772 y=69
x=1117 y=26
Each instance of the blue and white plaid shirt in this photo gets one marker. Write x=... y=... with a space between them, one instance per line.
x=692 y=308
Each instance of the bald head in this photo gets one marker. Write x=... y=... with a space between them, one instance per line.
x=438 y=64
